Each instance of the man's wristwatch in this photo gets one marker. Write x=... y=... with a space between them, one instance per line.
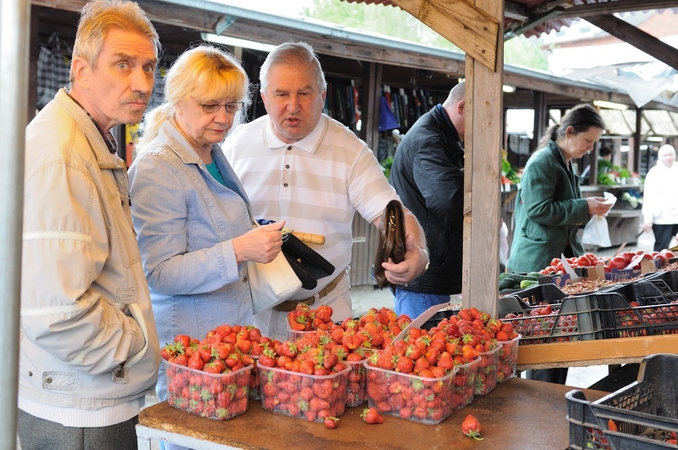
x=428 y=260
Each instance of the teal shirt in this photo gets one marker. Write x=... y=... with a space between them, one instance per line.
x=214 y=171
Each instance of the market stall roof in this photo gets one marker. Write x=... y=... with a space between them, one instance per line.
x=532 y=18
x=181 y=21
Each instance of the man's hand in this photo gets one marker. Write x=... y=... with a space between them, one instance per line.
x=416 y=259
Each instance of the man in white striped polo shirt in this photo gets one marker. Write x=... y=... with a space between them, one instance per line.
x=299 y=165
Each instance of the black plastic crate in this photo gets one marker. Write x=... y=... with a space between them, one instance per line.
x=445 y=313
x=648 y=291
x=620 y=319
x=541 y=293
x=670 y=277
x=645 y=413
x=512 y=304
x=575 y=319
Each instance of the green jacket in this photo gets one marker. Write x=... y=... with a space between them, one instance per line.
x=549 y=211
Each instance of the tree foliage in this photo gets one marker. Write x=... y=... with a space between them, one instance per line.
x=399 y=24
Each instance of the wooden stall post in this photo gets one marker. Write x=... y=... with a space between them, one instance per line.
x=483 y=112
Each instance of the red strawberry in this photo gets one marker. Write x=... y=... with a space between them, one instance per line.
x=471 y=427
x=331 y=422
x=371 y=416
x=196 y=362
x=181 y=360
x=184 y=340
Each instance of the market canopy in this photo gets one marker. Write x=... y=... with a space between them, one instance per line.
x=467 y=26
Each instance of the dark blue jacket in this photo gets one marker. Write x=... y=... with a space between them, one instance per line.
x=428 y=174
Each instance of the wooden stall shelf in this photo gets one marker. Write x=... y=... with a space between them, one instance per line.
x=596 y=352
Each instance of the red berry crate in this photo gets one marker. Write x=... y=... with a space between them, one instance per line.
x=309 y=397
x=410 y=397
x=640 y=416
x=486 y=376
x=508 y=360
x=356 y=390
x=465 y=383
x=540 y=293
x=575 y=319
x=214 y=396
x=620 y=319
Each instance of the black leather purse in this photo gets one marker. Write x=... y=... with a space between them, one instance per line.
x=391 y=243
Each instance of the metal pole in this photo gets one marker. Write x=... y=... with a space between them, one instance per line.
x=14 y=60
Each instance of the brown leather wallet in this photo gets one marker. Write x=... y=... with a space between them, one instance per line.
x=391 y=243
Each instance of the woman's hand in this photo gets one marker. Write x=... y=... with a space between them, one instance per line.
x=260 y=244
x=597 y=206
x=647 y=226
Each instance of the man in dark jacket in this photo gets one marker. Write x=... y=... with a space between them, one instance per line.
x=428 y=174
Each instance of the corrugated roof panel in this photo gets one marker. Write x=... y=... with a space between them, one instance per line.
x=630 y=116
x=661 y=122
x=615 y=124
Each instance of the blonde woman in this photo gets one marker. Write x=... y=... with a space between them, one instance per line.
x=190 y=212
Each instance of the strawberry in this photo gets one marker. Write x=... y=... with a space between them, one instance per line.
x=221 y=350
x=184 y=340
x=371 y=416
x=169 y=351
x=331 y=422
x=181 y=360
x=471 y=427
x=404 y=365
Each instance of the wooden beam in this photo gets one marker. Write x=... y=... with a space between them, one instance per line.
x=619 y=6
x=596 y=352
x=482 y=175
x=638 y=38
x=541 y=119
x=462 y=23
x=330 y=45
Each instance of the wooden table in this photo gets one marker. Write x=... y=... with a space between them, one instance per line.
x=596 y=352
x=519 y=414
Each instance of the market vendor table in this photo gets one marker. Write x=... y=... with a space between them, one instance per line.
x=518 y=414
x=596 y=352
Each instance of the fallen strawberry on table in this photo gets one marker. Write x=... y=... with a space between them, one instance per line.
x=371 y=415
x=331 y=422
x=471 y=427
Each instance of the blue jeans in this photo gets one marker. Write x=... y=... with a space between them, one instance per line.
x=415 y=303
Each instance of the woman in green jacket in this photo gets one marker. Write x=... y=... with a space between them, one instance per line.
x=549 y=206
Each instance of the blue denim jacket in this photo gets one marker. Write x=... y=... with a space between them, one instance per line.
x=185 y=222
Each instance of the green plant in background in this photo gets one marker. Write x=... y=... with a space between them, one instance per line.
x=386 y=166
x=607 y=179
x=508 y=171
x=604 y=166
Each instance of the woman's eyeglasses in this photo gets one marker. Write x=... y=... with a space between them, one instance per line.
x=231 y=107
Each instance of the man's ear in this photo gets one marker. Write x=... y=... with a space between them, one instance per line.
x=81 y=72
x=460 y=107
